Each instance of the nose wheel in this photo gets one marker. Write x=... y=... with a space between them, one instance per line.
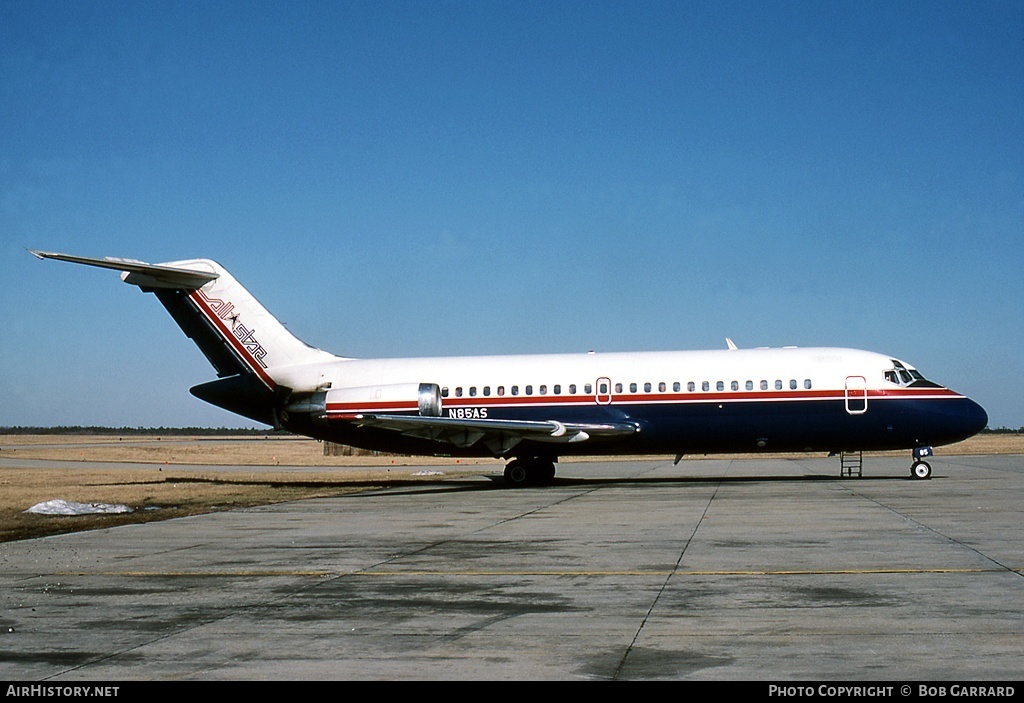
x=921 y=469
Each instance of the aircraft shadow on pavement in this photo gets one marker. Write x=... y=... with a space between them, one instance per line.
x=498 y=482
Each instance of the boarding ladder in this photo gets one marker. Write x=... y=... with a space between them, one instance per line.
x=851 y=463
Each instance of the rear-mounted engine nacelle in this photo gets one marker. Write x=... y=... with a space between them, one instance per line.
x=422 y=398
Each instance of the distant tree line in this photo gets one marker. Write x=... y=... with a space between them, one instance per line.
x=139 y=431
x=1002 y=430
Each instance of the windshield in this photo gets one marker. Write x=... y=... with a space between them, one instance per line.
x=904 y=375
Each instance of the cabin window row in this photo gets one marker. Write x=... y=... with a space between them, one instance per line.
x=588 y=388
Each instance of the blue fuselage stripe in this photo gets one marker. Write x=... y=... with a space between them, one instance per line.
x=888 y=422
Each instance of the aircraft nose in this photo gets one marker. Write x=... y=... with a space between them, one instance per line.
x=968 y=419
x=975 y=417
x=952 y=421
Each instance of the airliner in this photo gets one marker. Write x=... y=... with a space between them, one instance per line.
x=533 y=409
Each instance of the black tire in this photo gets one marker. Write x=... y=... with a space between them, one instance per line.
x=529 y=472
x=517 y=474
x=921 y=470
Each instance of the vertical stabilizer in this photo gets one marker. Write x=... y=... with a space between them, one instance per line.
x=235 y=332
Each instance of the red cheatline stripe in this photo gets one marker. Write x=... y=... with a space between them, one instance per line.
x=343 y=410
x=235 y=344
x=391 y=406
x=700 y=397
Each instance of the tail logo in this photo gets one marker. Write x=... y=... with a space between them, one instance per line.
x=248 y=339
x=224 y=310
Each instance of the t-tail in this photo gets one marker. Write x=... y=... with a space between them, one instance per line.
x=258 y=361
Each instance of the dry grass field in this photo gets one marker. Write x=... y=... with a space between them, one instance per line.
x=165 y=488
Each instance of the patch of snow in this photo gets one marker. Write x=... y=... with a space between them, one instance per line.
x=67 y=507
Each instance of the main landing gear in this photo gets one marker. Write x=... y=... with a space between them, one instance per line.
x=921 y=469
x=533 y=471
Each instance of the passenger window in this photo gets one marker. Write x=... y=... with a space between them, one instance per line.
x=750 y=385
x=735 y=385
x=632 y=388
x=720 y=386
x=778 y=384
x=647 y=387
x=603 y=388
x=691 y=386
x=662 y=387
x=515 y=390
x=706 y=386
x=764 y=385
x=529 y=390
x=487 y=390
x=458 y=392
x=472 y=391
x=558 y=389
x=501 y=390
x=618 y=387
x=676 y=387
x=572 y=389
x=543 y=390
x=444 y=392
x=792 y=384
x=807 y=383
x=588 y=388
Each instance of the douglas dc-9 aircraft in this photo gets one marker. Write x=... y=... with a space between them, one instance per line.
x=534 y=409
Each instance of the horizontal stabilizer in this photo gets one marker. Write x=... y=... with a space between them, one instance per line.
x=140 y=273
x=232 y=329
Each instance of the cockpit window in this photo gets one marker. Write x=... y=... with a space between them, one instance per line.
x=901 y=375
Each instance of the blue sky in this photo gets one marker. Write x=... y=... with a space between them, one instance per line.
x=437 y=178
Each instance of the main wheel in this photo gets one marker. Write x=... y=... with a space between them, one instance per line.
x=529 y=472
x=516 y=474
x=921 y=470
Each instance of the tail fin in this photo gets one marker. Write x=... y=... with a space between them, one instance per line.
x=258 y=361
x=231 y=327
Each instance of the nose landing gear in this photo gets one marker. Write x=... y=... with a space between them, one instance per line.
x=921 y=469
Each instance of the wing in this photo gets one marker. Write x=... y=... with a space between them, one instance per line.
x=499 y=436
